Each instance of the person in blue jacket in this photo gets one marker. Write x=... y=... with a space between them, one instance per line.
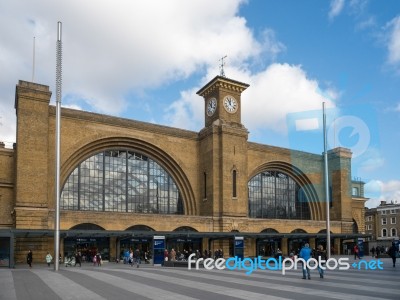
x=305 y=253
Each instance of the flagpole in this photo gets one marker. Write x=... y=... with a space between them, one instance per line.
x=57 y=140
x=326 y=178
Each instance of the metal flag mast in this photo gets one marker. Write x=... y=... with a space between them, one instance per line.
x=57 y=142
x=221 y=66
x=326 y=178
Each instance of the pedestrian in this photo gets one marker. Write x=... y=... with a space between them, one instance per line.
x=373 y=251
x=378 y=251
x=78 y=259
x=305 y=254
x=49 y=258
x=130 y=257
x=29 y=258
x=393 y=253
x=136 y=255
x=320 y=253
x=166 y=254
x=94 y=260
x=356 y=251
x=98 y=259
x=173 y=254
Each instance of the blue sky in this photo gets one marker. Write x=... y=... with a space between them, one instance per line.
x=145 y=60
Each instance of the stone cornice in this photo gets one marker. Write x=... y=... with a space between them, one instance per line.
x=122 y=122
x=222 y=82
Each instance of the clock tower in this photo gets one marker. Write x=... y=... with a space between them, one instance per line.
x=223 y=148
x=222 y=100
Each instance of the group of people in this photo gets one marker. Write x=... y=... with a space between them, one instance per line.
x=134 y=257
x=306 y=253
x=174 y=255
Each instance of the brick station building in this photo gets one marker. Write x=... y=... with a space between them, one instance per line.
x=124 y=181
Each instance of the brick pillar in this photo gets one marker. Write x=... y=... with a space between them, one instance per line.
x=336 y=246
x=312 y=243
x=114 y=249
x=284 y=246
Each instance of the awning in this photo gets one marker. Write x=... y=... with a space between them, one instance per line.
x=172 y=234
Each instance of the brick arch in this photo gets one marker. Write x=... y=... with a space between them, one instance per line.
x=86 y=226
x=143 y=147
x=300 y=178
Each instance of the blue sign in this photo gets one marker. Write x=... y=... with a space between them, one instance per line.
x=158 y=250
x=360 y=247
x=239 y=247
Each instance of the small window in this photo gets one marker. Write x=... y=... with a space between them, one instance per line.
x=392 y=211
x=205 y=185
x=384 y=221
x=393 y=232
x=384 y=232
x=355 y=191
x=383 y=212
x=393 y=220
x=234 y=192
x=368 y=227
x=369 y=219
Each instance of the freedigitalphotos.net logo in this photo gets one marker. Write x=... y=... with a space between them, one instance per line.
x=252 y=264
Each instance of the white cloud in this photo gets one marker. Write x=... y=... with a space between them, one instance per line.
x=393 y=44
x=378 y=191
x=273 y=93
x=117 y=49
x=397 y=107
x=336 y=8
x=277 y=91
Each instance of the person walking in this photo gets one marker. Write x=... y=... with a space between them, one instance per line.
x=78 y=259
x=320 y=253
x=29 y=258
x=49 y=258
x=373 y=251
x=356 y=251
x=305 y=253
x=131 y=257
x=136 y=255
x=393 y=253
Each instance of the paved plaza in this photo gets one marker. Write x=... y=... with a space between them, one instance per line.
x=119 y=281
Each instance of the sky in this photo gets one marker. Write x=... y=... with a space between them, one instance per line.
x=145 y=60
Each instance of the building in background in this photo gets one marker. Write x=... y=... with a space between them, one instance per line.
x=125 y=181
x=382 y=223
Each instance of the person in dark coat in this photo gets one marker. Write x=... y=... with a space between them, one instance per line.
x=393 y=253
x=320 y=252
x=29 y=258
x=78 y=259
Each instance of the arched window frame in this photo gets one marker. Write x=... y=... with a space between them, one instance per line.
x=277 y=196
x=121 y=180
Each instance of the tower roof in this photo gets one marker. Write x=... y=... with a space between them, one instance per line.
x=221 y=81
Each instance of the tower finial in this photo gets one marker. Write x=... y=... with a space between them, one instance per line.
x=221 y=66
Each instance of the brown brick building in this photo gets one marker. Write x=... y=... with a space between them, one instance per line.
x=123 y=181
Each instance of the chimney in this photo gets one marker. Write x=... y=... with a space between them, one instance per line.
x=383 y=203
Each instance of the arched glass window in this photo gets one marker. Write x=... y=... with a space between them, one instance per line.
x=393 y=232
x=121 y=181
x=384 y=232
x=275 y=195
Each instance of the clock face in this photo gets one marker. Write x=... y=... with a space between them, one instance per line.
x=211 y=106
x=230 y=104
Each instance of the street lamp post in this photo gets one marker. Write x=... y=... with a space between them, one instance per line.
x=57 y=141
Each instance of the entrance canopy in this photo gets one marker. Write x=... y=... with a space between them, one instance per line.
x=170 y=234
